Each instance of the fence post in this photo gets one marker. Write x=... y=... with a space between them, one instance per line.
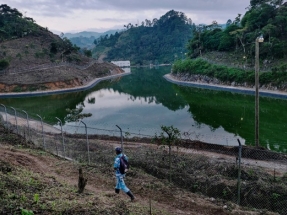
x=88 y=147
x=6 y=114
x=63 y=143
x=42 y=132
x=15 y=119
x=121 y=138
x=239 y=172
x=28 y=133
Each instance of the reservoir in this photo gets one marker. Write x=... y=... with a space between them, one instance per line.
x=142 y=102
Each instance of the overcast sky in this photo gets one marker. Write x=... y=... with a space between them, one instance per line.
x=100 y=15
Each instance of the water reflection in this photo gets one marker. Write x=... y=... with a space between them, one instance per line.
x=143 y=101
x=145 y=115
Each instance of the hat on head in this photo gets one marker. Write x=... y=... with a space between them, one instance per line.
x=118 y=149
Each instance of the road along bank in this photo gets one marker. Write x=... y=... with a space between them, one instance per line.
x=60 y=91
x=242 y=90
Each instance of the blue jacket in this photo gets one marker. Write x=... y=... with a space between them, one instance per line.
x=117 y=163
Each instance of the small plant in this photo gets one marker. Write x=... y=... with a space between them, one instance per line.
x=26 y=212
x=195 y=186
x=19 y=56
x=32 y=45
x=23 y=198
x=32 y=88
x=53 y=205
x=251 y=172
x=224 y=192
x=173 y=135
x=127 y=134
x=17 y=89
x=39 y=55
x=275 y=196
x=36 y=198
x=4 y=64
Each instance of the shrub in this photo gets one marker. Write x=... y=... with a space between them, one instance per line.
x=223 y=73
x=19 y=56
x=4 y=64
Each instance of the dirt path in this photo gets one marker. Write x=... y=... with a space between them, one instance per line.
x=101 y=58
x=98 y=185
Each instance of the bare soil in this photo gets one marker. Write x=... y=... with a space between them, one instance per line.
x=33 y=67
x=27 y=172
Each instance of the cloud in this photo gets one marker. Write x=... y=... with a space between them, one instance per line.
x=82 y=14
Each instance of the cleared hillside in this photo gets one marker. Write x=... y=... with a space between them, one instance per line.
x=33 y=58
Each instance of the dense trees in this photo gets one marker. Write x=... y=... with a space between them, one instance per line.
x=267 y=17
x=45 y=44
x=159 y=40
x=13 y=24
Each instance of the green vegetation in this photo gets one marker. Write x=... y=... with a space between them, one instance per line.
x=14 y=25
x=4 y=64
x=222 y=73
x=276 y=77
x=169 y=136
x=21 y=31
x=158 y=41
x=264 y=17
x=85 y=39
x=235 y=113
x=83 y=42
x=36 y=182
x=235 y=45
x=64 y=47
x=75 y=115
x=87 y=52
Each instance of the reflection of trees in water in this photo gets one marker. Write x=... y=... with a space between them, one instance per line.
x=115 y=80
x=47 y=106
x=148 y=100
x=235 y=113
x=149 y=84
x=92 y=100
x=76 y=115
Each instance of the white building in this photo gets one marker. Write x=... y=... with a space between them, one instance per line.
x=124 y=63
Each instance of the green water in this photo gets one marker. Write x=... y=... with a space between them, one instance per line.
x=143 y=101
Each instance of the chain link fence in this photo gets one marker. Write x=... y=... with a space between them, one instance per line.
x=245 y=175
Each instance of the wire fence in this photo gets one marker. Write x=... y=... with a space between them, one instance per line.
x=248 y=176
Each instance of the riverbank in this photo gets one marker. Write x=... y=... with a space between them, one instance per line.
x=243 y=90
x=86 y=86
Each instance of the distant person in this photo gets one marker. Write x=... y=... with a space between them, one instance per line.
x=120 y=173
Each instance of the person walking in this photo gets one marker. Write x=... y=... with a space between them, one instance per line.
x=120 y=183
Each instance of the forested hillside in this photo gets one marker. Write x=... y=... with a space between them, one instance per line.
x=85 y=39
x=263 y=17
x=227 y=56
x=158 y=41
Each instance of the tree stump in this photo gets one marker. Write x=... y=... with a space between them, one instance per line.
x=82 y=181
